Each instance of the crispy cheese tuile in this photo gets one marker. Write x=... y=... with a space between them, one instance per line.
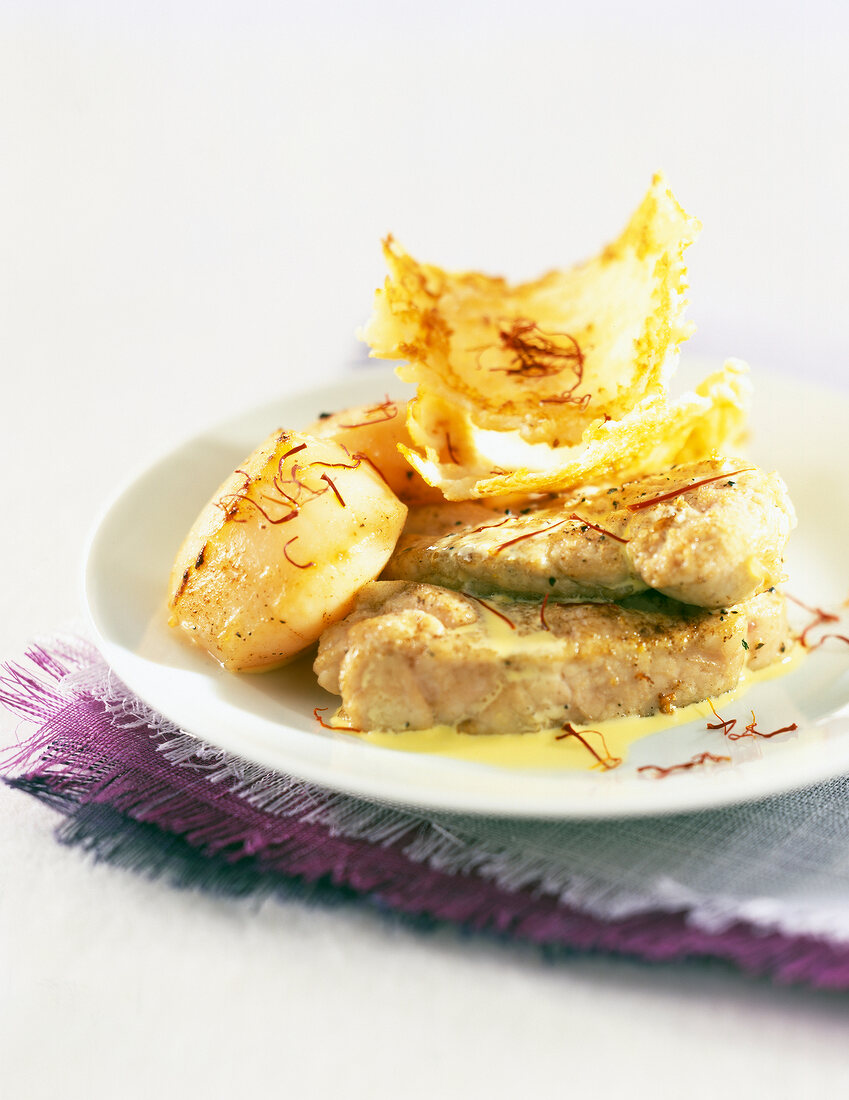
x=560 y=382
x=545 y=358
x=656 y=434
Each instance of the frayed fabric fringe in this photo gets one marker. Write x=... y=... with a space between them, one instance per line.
x=138 y=793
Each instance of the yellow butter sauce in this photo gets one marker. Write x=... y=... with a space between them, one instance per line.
x=541 y=749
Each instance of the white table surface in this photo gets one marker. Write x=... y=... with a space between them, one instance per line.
x=191 y=200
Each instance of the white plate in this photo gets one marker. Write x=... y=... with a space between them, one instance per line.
x=268 y=718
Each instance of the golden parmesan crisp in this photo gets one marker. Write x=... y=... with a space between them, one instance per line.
x=656 y=434
x=562 y=381
x=544 y=358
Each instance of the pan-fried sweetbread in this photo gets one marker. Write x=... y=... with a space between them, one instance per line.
x=706 y=533
x=411 y=656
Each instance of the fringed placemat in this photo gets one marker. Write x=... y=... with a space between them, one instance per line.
x=764 y=887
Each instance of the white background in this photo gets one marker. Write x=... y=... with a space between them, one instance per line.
x=191 y=202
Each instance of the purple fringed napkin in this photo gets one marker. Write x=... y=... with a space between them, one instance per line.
x=135 y=790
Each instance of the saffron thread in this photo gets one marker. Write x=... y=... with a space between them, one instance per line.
x=529 y=535
x=825 y=637
x=685 y=489
x=724 y=724
x=387 y=408
x=290 y=560
x=327 y=725
x=535 y=354
x=595 y=527
x=487 y=526
x=820 y=617
x=232 y=497
x=338 y=495
x=750 y=730
x=483 y=603
x=697 y=761
x=338 y=465
x=373 y=464
x=607 y=761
